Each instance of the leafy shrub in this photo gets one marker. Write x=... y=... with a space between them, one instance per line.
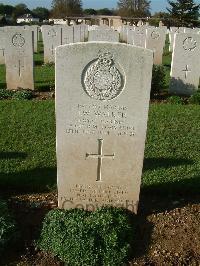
x=175 y=100
x=23 y=95
x=158 y=79
x=195 y=98
x=7 y=227
x=5 y=94
x=78 y=237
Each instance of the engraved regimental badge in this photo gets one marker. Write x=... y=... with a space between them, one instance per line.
x=18 y=40
x=102 y=79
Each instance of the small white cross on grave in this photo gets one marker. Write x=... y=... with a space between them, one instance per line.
x=100 y=156
x=186 y=70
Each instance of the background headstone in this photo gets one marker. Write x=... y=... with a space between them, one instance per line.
x=103 y=35
x=52 y=38
x=35 y=30
x=67 y=34
x=102 y=99
x=19 y=59
x=155 y=40
x=139 y=36
x=185 y=64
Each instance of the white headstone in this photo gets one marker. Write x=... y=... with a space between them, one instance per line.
x=19 y=59
x=139 y=36
x=140 y=23
x=103 y=35
x=67 y=34
x=80 y=33
x=102 y=100
x=155 y=41
x=130 y=35
x=172 y=34
x=35 y=30
x=51 y=39
x=185 y=64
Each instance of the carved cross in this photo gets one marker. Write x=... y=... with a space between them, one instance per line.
x=52 y=50
x=19 y=66
x=186 y=70
x=100 y=156
x=3 y=51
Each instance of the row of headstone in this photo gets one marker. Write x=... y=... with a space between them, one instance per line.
x=56 y=35
x=103 y=34
x=17 y=51
x=147 y=37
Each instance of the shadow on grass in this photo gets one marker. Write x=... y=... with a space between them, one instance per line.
x=154 y=163
x=12 y=155
x=37 y=180
x=170 y=195
x=38 y=62
x=43 y=87
x=3 y=85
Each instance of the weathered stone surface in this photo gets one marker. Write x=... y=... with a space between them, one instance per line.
x=35 y=30
x=103 y=35
x=67 y=34
x=139 y=36
x=80 y=33
x=185 y=64
x=130 y=35
x=102 y=100
x=172 y=34
x=155 y=41
x=19 y=59
x=51 y=38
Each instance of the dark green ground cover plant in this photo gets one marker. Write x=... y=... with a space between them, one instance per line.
x=175 y=100
x=22 y=95
x=5 y=94
x=8 y=231
x=195 y=98
x=158 y=82
x=77 y=237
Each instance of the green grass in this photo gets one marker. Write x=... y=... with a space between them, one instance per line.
x=27 y=141
x=167 y=58
x=2 y=77
x=28 y=158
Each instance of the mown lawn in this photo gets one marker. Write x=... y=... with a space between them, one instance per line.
x=28 y=158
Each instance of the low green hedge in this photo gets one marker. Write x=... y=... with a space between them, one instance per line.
x=7 y=227
x=81 y=238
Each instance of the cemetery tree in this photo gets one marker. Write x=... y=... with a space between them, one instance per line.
x=6 y=9
x=66 y=8
x=184 y=12
x=20 y=10
x=41 y=12
x=90 y=11
x=134 y=8
x=105 y=12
